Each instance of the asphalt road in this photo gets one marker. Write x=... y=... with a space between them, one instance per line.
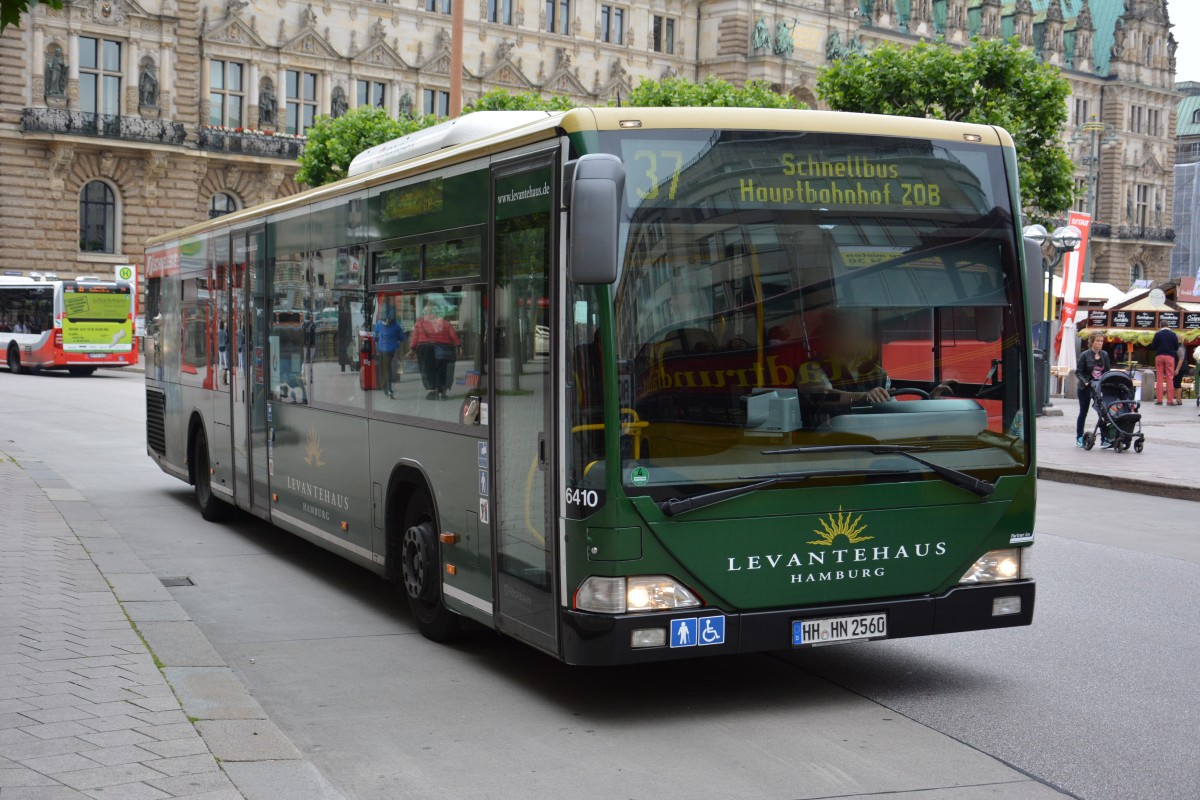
x=1097 y=699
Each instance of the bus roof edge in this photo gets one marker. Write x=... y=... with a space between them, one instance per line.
x=445 y=134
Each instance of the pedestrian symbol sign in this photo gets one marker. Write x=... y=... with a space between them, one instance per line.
x=711 y=630
x=683 y=632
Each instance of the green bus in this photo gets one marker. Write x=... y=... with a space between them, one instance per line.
x=624 y=385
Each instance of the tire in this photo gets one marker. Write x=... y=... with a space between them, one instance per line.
x=420 y=572
x=80 y=372
x=1089 y=441
x=211 y=508
x=1139 y=445
x=14 y=360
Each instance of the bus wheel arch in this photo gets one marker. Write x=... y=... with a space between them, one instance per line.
x=413 y=556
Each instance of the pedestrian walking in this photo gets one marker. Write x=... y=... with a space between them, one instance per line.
x=435 y=344
x=388 y=336
x=1165 y=345
x=1093 y=362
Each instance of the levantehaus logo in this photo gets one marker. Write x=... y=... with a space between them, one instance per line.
x=312 y=448
x=841 y=563
x=841 y=525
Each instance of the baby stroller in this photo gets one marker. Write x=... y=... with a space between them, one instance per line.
x=1118 y=419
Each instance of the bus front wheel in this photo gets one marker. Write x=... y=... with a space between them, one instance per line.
x=14 y=360
x=420 y=572
x=211 y=508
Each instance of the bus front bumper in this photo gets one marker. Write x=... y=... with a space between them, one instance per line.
x=599 y=639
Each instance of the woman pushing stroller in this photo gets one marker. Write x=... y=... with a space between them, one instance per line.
x=1093 y=363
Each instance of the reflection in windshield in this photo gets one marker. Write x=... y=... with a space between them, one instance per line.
x=791 y=289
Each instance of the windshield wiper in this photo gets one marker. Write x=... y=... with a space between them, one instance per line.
x=960 y=479
x=679 y=505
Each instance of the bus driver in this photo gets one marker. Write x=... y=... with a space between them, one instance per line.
x=847 y=371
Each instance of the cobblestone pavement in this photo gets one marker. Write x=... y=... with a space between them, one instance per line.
x=84 y=711
x=107 y=688
x=1169 y=466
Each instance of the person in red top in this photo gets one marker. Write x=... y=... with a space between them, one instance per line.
x=435 y=344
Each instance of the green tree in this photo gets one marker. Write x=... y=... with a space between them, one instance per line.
x=502 y=100
x=10 y=10
x=712 y=92
x=333 y=143
x=991 y=83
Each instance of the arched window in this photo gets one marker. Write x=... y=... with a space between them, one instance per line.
x=97 y=218
x=222 y=203
x=1196 y=117
x=1135 y=273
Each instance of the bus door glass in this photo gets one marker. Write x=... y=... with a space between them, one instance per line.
x=522 y=470
x=233 y=317
x=256 y=358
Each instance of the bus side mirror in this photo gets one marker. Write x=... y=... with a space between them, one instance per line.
x=1035 y=279
x=593 y=194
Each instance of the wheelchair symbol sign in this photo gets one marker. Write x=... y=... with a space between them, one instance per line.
x=711 y=631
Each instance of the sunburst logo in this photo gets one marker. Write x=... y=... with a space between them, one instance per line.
x=844 y=524
x=312 y=448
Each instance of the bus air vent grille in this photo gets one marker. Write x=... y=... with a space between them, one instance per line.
x=156 y=424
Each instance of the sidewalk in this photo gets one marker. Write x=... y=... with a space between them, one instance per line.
x=1168 y=467
x=107 y=688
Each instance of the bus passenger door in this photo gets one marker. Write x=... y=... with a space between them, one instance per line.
x=247 y=382
x=522 y=465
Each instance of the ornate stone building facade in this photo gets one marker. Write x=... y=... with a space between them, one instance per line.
x=122 y=119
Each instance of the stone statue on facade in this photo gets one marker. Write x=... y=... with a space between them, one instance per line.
x=56 y=74
x=148 y=86
x=406 y=105
x=266 y=105
x=762 y=34
x=338 y=104
x=784 y=46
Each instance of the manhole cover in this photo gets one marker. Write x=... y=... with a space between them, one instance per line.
x=177 y=581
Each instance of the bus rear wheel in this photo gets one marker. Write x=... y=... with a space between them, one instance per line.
x=211 y=508
x=420 y=570
x=80 y=372
x=14 y=360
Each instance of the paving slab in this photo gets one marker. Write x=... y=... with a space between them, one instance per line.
x=213 y=693
x=180 y=644
x=282 y=780
x=246 y=740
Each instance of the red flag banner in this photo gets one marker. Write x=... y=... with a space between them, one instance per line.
x=1073 y=272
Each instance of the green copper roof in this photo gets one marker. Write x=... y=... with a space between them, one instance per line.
x=1184 y=126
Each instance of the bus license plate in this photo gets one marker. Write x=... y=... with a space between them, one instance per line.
x=96 y=355
x=838 y=629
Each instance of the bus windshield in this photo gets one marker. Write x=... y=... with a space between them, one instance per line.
x=785 y=292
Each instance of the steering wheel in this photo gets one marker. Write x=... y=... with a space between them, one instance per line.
x=924 y=395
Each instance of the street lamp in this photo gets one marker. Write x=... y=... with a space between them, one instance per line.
x=1062 y=241
x=1100 y=135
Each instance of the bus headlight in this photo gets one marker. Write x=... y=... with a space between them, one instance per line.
x=640 y=593
x=995 y=565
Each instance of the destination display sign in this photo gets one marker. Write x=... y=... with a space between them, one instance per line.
x=1169 y=319
x=1122 y=319
x=1191 y=321
x=1144 y=319
x=1097 y=318
x=801 y=172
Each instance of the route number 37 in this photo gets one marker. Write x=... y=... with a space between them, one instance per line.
x=648 y=166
